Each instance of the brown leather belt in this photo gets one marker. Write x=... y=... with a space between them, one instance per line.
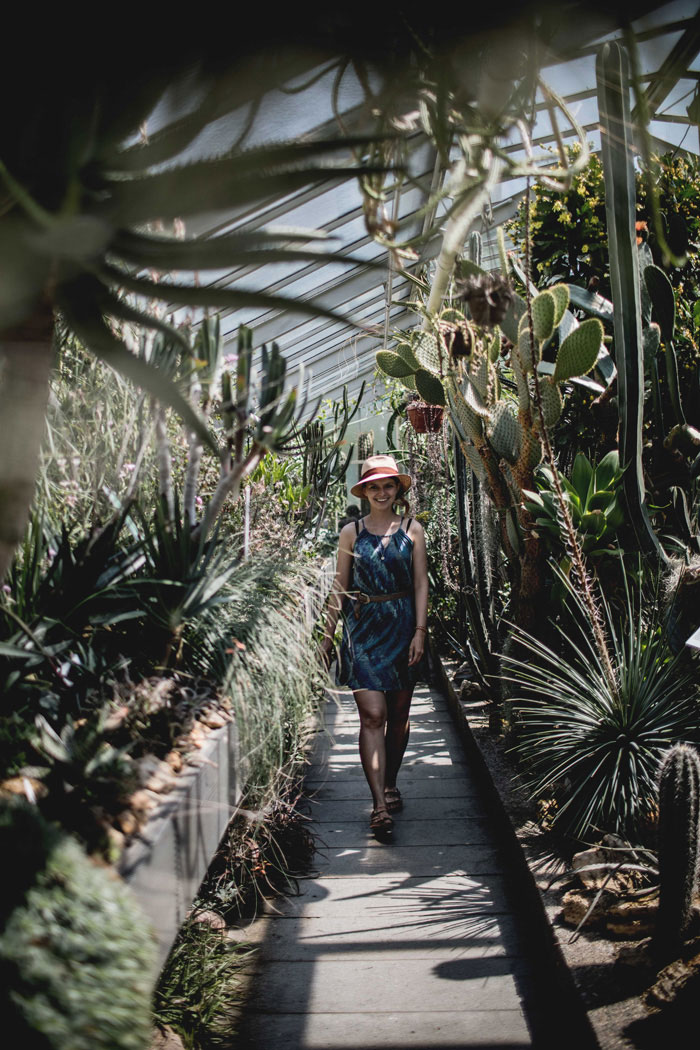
x=360 y=599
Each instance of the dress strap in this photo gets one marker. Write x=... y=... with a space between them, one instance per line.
x=357 y=526
x=408 y=526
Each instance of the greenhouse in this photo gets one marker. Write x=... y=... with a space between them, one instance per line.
x=349 y=531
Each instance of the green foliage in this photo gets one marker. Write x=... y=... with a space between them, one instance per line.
x=579 y=351
x=77 y=958
x=200 y=984
x=679 y=814
x=593 y=498
x=594 y=749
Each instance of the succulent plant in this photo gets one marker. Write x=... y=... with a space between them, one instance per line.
x=77 y=958
x=679 y=813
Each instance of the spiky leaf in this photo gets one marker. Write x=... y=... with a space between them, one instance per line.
x=409 y=382
x=393 y=365
x=579 y=351
x=544 y=308
x=429 y=387
x=495 y=347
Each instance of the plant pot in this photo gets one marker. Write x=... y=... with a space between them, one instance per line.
x=424 y=418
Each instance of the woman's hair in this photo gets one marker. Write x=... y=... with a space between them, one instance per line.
x=402 y=501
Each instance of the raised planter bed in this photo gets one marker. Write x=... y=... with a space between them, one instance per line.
x=165 y=862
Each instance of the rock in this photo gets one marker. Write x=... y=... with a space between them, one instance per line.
x=29 y=787
x=211 y=918
x=166 y=1039
x=632 y=919
x=174 y=760
x=214 y=719
x=155 y=775
x=143 y=802
x=127 y=822
x=575 y=905
x=673 y=980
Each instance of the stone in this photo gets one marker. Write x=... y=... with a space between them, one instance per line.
x=166 y=1039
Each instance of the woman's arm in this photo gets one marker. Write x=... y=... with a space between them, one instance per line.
x=420 y=592
x=341 y=585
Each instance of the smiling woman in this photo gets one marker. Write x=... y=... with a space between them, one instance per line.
x=381 y=587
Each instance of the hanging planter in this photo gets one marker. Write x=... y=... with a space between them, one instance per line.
x=425 y=418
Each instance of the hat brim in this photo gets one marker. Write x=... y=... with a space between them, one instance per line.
x=358 y=489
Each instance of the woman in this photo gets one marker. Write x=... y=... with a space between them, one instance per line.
x=381 y=585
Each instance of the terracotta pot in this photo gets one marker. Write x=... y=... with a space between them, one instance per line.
x=425 y=419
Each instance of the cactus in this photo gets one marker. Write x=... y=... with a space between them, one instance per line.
x=365 y=445
x=326 y=457
x=77 y=957
x=500 y=438
x=679 y=813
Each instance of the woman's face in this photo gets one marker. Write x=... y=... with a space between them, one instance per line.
x=382 y=493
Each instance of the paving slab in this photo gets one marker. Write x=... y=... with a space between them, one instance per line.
x=408 y=943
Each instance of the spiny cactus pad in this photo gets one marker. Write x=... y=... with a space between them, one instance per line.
x=481 y=376
x=427 y=351
x=393 y=365
x=495 y=347
x=475 y=461
x=526 y=345
x=552 y=403
x=429 y=387
x=409 y=382
x=543 y=313
x=505 y=432
x=405 y=350
x=465 y=418
x=561 y=301
x=579 y=351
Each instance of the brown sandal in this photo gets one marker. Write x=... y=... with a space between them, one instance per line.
x=394 y=802
x=380 y=820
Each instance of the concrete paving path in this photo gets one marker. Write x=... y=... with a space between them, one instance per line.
x=416 y=943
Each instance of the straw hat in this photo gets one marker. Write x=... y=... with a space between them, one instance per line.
x=376 y=467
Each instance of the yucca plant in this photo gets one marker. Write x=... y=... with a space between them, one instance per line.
x=593 y=748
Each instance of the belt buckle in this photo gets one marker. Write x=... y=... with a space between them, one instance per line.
x=362 y=598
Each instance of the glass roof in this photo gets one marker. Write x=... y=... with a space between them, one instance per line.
x=338 y=353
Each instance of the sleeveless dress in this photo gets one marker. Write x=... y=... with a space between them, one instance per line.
x=374 y=650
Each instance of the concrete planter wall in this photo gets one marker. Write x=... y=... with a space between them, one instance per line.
x=165 y=863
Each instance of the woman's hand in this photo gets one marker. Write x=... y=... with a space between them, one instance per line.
x=325 y=651
x=416 y=648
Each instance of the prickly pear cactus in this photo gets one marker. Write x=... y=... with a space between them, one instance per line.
x=500 y=434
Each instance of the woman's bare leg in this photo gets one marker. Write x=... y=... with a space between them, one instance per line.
x=372 y=707
x=398 y=727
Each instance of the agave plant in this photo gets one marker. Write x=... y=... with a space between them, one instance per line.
x=596 y=750
x=84 y=214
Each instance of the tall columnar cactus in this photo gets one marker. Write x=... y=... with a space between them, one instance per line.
x=365 y=445
x=679 y=813
x=326 y=454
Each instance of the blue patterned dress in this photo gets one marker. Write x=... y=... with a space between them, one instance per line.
x=374 y=650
